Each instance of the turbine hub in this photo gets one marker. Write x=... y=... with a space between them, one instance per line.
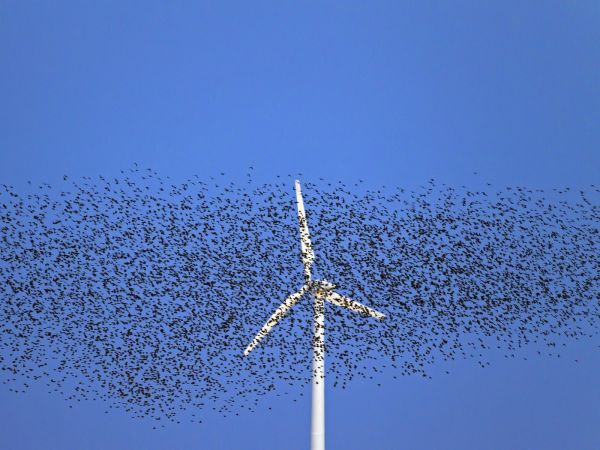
x=322 y=285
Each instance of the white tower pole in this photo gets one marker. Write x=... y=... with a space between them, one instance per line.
x=317 y=441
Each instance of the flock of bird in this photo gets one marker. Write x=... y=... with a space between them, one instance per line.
x=144 y=292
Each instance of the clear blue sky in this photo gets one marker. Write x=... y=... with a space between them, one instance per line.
x=390 y=92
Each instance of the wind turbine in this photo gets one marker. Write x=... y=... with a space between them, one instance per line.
x=321 y=290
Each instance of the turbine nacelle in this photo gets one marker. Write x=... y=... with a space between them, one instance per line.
x=323 y=286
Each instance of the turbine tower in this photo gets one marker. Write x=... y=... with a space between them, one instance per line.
x=321 y=290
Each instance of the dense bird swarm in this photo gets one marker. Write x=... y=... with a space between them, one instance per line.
x=145 y=293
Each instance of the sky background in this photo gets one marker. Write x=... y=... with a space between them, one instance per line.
x=393 y=93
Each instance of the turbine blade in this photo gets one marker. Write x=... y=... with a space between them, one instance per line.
x=340 y=300
x=308 y=254
x=276 y=317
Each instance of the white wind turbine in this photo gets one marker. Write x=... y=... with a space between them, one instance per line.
x=321 y=290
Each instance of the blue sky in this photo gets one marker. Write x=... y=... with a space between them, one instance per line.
x=390 y=92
